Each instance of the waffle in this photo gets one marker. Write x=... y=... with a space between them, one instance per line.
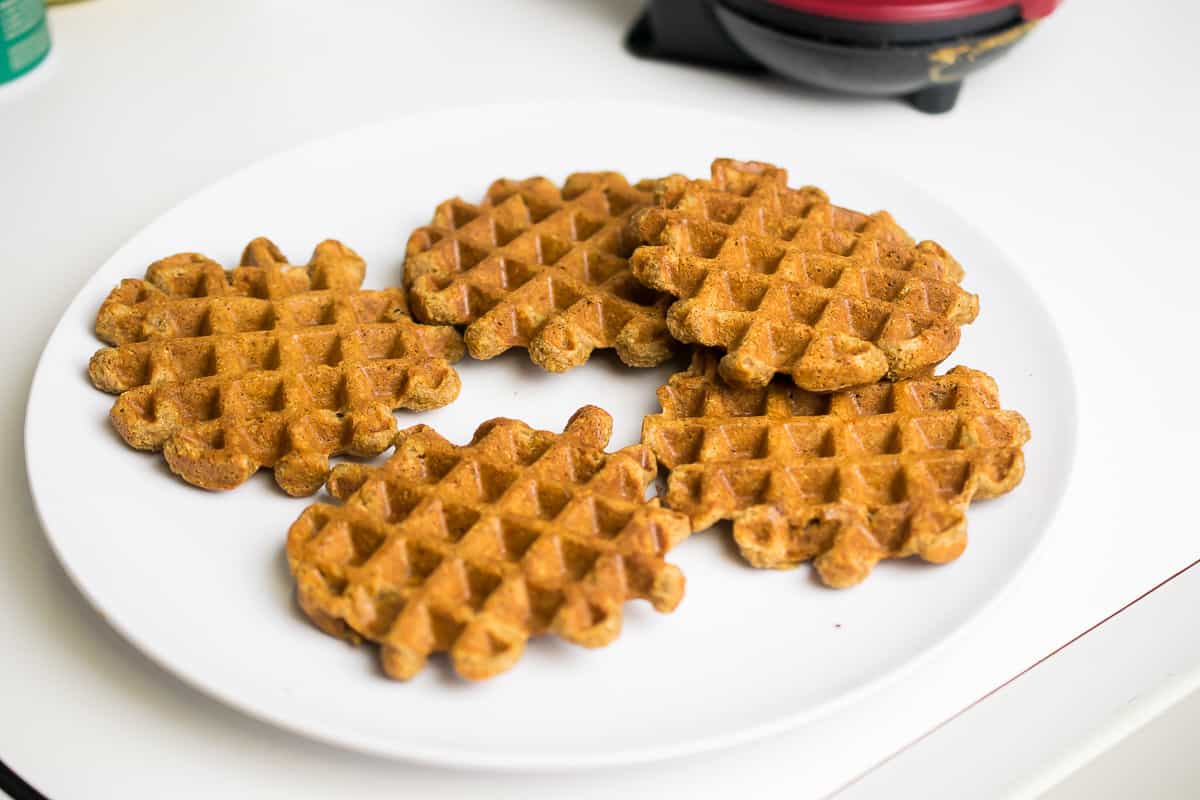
x=845 y=479
x=537 y=267
x=269 y=365
x=474 y=549
x=784 y=281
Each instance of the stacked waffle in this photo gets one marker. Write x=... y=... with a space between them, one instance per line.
x=810 y=415
x=816 y=423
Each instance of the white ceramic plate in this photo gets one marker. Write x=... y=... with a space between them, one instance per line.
x=199 y=581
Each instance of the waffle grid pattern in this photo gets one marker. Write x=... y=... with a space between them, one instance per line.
x=784 y=281
x=472 y=550
x=269 y=365
x=537 y=267
x=847 y=479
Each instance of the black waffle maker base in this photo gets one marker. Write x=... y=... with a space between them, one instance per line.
x=924 y=62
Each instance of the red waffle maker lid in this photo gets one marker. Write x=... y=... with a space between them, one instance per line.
x=913 y=10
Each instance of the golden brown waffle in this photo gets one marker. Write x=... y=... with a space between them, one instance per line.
x=532 y=266
x=848 y=479
x=472 y=550
x=269 y=365
x=784 y=281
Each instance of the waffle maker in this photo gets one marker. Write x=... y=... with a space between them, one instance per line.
x=917 y=49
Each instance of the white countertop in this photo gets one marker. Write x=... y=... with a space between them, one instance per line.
x=1077 y=154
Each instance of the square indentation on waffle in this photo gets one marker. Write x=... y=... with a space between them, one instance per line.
x=845 y=479
x=267 y=365
x=472 y=550
x=542 y=268
x=786 y=282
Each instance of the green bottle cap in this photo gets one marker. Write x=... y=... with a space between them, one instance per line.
x=24 y=37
